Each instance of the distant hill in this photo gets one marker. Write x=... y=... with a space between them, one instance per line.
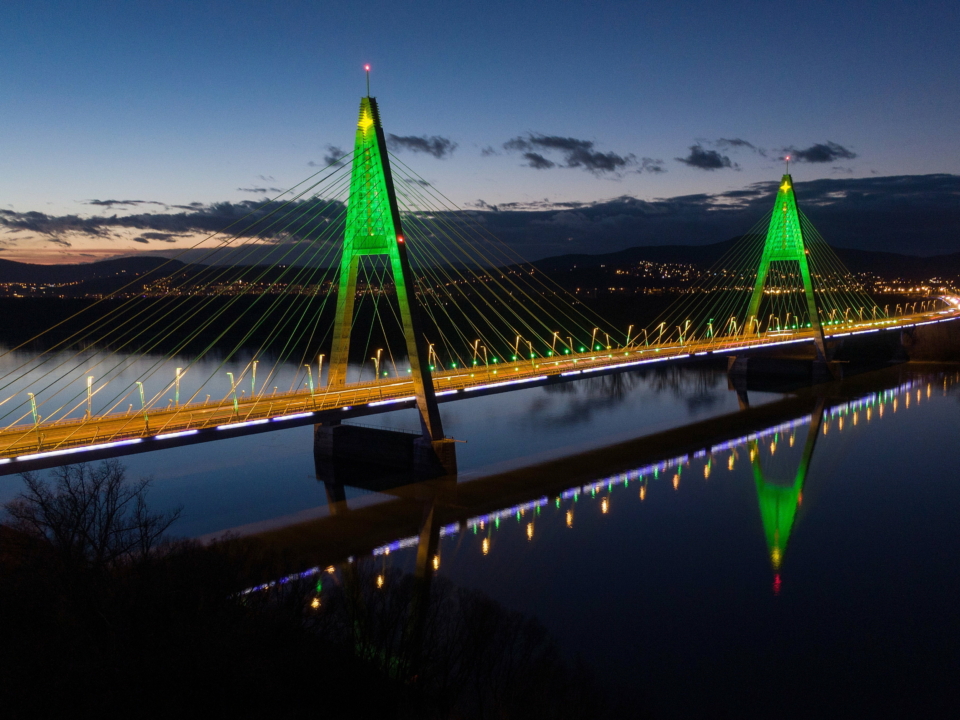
x=884 y=264
x=17 y=272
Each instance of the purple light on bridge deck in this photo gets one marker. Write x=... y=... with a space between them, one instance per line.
x=70 y=451
x=293 y=417
x=233 y=426
x=508 y=382
x=391 y=401
x=168 y=436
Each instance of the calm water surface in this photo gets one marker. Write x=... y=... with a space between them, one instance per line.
x=726 y=582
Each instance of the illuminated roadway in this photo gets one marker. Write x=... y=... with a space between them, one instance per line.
x=30 y=446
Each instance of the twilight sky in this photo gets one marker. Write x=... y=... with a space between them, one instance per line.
x=178 y=103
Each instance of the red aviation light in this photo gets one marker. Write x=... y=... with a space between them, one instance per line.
x=399 y=238
x=367 y=68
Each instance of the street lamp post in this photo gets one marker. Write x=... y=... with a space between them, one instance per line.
x=376 y=366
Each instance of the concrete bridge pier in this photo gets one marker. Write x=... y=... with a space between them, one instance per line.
x=817 y=370
x=377 y=458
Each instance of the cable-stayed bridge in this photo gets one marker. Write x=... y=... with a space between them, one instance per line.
x=441 y=310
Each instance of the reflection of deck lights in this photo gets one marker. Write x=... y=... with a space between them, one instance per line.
x=676 y=481
x=569 y=518
x=379 y=581
x=529 y=531
x=605 y=505
x=643 y=492
x=436 y=562
x=485 y=545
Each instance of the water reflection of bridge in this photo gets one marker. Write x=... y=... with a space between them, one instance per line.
x=419 y=514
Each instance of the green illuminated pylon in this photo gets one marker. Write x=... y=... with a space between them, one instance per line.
x=779 y=502
x=785 y=243
x=373 y=228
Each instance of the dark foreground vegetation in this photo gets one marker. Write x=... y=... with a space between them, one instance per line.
x=103 y=615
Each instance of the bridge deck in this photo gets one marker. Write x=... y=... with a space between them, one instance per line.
x=23 y=446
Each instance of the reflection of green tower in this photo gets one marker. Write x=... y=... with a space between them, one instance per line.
x=785 y=244
x=779 y=501
x=373 y=228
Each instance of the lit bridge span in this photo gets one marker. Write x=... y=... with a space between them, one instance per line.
x=27 y=446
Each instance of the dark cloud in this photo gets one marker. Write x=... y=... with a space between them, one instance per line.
x=707 y=159
x=334 y=155
x=141 y=240
x=538 y=161
x=652 y=166
x=417 y=181
x=44 y=224
x=266 y=178
x=820 y=153
x=162 y=237
x=112 y=203
x=260 y=190
x=246 y=218
x=439 y=147
x=488 y=151
x=909 y=214
x=575 y=153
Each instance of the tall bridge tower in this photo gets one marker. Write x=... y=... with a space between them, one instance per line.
x=785 y=244
x=373 y=227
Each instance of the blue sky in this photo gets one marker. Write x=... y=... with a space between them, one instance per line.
x=187 y=102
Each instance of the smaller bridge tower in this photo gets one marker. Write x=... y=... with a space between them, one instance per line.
x=785 y=243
